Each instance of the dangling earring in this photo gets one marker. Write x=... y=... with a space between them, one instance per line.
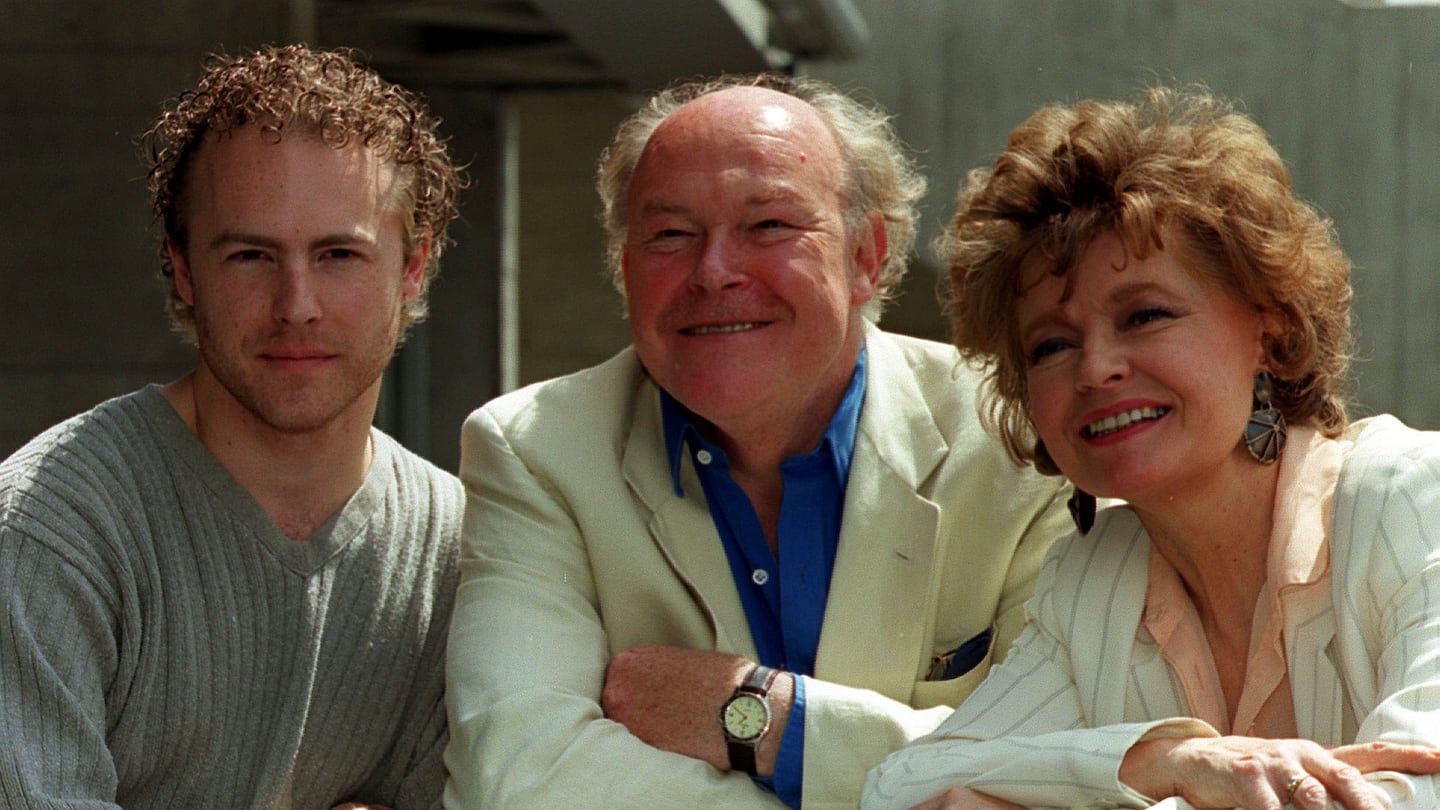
x=1265 y=432
x=1082 y=510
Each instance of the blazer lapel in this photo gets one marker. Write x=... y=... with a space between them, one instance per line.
x=1109 y=602
x=682 y=528
x=1315 y=683
x=880 y=612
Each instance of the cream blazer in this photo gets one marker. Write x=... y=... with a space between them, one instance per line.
x=1084 y=682
x=576 y=546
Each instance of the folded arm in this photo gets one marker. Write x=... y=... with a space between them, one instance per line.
x=528 y=663
x=527 y=659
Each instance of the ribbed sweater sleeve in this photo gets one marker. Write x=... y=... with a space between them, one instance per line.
x=62 y=617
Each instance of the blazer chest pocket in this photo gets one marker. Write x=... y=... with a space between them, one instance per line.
x=953 y=675
x=945 y=666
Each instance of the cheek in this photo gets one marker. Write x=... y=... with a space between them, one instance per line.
x=862 y=289
x=1047 y=403
x=640 y=306
x=651 y=287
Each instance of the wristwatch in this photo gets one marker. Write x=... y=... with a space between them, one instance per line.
x=745 y=717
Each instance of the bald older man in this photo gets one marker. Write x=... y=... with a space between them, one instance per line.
x=741 y=561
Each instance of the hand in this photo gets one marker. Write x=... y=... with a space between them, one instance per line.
x=1255 y=774
x=671 y=697
x=966 y=799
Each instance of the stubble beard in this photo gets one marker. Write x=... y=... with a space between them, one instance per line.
x=319 y=401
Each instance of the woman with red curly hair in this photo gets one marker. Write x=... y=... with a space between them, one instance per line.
x=1256 y=622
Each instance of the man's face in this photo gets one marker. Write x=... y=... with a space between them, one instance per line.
x=295 y=266
x=743 y=286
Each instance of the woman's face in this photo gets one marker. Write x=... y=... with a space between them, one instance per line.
x=1141 y=382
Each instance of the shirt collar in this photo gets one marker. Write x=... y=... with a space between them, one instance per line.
x=678 y=424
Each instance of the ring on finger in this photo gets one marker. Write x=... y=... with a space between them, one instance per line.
x=1293 y=783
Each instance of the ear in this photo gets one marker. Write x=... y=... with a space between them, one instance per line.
x=872 y=246
x=184 y=285
x=414 y=277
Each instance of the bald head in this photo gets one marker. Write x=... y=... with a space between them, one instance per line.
x=740 y=126
x=757 y=110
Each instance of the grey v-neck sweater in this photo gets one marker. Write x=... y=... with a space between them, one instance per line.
x=164 y=645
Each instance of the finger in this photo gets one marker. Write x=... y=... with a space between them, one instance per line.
x=1379 y=756
x=1346 y=785
x=1254 y=791
x=1306 y=792
x=941 y=802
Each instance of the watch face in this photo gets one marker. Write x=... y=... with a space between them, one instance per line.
x=746 y=717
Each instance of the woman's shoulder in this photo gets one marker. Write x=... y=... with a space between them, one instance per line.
x=1383 y=454
x=1387 y=497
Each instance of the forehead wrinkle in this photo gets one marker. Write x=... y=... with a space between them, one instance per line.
x=773 y=192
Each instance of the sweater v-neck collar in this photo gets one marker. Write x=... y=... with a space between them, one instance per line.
x=304 y=557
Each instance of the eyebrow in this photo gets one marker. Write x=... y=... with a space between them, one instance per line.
x=1119 y=295
x=329 y=240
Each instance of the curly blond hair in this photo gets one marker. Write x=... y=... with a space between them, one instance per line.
x=878 y=174
x=327 y=94
x=1179 y=169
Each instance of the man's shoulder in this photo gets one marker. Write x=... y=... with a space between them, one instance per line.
x=598 y=398
x=920 y=350
x=938 y=369
x=414 y=471
x=100 y=443
x=84 y=472
x=933 y=374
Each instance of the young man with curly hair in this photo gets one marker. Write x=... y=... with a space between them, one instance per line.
x=232 y=590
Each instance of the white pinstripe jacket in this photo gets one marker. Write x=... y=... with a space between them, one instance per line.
x=1049 y=727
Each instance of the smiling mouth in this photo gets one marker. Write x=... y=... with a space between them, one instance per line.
x=1117 y=422
x=721 y=329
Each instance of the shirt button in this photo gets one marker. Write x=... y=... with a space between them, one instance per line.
x=760 y=576
x=704 y=457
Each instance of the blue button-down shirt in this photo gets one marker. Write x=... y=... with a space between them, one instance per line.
x=784 y=599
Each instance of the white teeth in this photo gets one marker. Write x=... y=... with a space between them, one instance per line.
x=720 y=328
x=1115 y=422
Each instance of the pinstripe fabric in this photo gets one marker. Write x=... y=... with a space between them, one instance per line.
x=162 y=644
x=1049 y=727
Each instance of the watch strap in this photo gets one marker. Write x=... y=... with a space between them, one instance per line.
x=759 y=680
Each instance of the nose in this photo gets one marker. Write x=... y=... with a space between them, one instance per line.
x=718 y=265
x=1102 y=363
x=295 y=300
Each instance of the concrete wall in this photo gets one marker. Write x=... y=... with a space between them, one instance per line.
x=80 y=304
x=570 y=315
x=1350 y=97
